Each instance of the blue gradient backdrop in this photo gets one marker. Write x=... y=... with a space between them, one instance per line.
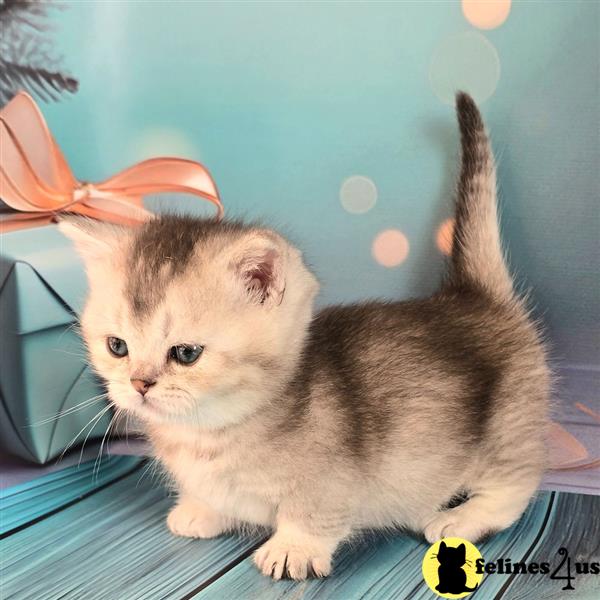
x=284 y=101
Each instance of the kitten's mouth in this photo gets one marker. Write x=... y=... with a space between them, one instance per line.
x=151 y=405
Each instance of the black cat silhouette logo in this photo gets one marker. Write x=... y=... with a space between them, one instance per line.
x=449 y=568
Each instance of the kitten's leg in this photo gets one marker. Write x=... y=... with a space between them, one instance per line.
x=489 y=509
x=507 y=471
x=192 y=518
x=301 y=548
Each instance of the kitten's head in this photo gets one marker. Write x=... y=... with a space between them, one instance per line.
x=450 y=556
x=192 y=321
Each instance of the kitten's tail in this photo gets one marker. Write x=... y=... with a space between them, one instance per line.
x=477 y=257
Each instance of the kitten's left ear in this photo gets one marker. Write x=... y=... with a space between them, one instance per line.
x=259 y=266
x=94 y=240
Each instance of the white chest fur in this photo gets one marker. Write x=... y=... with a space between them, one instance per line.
x=211 y=470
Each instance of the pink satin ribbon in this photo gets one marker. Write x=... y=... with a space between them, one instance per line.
x=566 y=451
x=35 y=178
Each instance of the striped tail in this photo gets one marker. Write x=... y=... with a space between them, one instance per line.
x=477 y=257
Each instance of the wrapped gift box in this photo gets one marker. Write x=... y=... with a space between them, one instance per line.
x=43 y=370
x=48 y=396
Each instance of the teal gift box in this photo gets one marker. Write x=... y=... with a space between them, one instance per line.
x=43 y=370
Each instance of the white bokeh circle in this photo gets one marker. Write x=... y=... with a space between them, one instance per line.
x=467 y=62
x=358 y=194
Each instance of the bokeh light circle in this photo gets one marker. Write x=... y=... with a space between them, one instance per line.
x=163 y=141
x=468 y=62
x=358 y=194
x=390 y=248
x=486 y=14
x=443 y=237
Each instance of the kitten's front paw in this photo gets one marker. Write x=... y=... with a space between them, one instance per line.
x=189 y=519
x=284 y=556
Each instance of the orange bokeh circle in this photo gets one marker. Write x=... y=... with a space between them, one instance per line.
x=390 y=248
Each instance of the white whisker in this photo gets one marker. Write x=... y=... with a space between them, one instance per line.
x=99 y=417
x=83 y=356
x=95 y=418
x=127 y=428
x=98 y=461
x=85 y=404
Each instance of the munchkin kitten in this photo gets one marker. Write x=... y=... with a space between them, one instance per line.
x=316 y=426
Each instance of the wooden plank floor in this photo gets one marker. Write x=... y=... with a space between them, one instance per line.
x=112 y=544
x=379 y=568
x=76 y=535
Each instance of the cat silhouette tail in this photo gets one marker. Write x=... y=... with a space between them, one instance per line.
x=471 y=589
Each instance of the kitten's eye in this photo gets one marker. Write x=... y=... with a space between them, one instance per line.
x=117 y=347
x=186 y=354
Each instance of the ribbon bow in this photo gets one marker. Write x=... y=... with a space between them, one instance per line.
x=35 y=178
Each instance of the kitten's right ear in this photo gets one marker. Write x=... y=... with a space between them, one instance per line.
x=94 y=240
x=442 y=545
x=259 y=264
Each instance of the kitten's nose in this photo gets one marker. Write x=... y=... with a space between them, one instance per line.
x=141 y=385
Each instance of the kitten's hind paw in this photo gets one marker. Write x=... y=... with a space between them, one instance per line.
x=282 y=557
x=479 y=516
x=456 y=522
x=189 y=519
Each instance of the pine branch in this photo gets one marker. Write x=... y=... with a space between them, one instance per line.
x=24 y=12
x=26 y=60
x=47 y=84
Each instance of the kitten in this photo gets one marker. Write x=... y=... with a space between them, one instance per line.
x=370 y=415
x=452 y=577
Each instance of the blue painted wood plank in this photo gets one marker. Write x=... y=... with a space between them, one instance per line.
x=28 y=501
x=574 y=525
x=112 y=545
